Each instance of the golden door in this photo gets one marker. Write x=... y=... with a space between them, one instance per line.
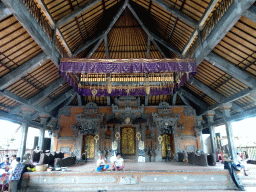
x=128 y=141
x=89 y=141
x=165 y=142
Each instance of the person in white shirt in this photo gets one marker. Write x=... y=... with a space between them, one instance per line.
x=14 y=162
x=102 y=164
x=118 y=163
x=241 y=162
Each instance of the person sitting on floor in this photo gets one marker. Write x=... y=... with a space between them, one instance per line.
x=242 y=162
x=15 y=175
x=5 y=164
x=118 y=163
x=102 y=164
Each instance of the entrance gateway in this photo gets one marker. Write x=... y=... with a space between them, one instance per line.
x=130 y=128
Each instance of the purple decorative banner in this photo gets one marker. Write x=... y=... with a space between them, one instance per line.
x=126 y=65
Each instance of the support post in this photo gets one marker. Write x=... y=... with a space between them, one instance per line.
x=24 y=133
x=210 y=116
x=43 y=119
x=226 y=113
x=198 y=130
x=108 y=101
x=26 y=112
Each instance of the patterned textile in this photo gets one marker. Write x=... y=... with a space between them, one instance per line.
x=17 y=171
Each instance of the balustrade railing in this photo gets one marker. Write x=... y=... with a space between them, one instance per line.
x=250 y=151
x=11 y=152
x=36 y=12
x=216 y=16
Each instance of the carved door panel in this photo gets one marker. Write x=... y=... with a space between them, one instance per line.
x=128 y=142
x=165 y=142
x=89 y=146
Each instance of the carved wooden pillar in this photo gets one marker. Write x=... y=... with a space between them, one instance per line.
x=43 y=119
x=226 y=113
x=198 y=130
x=210 y=116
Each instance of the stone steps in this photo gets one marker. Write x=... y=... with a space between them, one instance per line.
x=127 y=181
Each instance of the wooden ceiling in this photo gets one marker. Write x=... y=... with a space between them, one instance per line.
x=126 y=39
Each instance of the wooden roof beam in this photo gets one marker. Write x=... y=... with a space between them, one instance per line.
x=77 y=12
x=213 y=94
x=197 y=30
x=148 y=47
x=152 y=35
x=95 y=48
x=106 y=46
x=231 y=69
x=22 y=70
x=60 y=100
x=102 y=35
x=193 y=98
x=251 y=13
x=226 y=22
x=184 y=99
x=47 y=91
x=5 y=12
x=20 y=100
x=30 y=24
x=177 y=13
x=48 y=15
x=79 y=99
x=174 y=98
x=18 y=119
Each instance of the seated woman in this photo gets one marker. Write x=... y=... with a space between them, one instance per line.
x=118 y=163
x=102 y=164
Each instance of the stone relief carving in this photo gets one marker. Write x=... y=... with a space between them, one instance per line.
x=128 y=180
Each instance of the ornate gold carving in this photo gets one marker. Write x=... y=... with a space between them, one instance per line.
x=128 y=141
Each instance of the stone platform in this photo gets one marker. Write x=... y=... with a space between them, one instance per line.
x=136 y=177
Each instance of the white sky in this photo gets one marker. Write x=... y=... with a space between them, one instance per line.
x=8 y=130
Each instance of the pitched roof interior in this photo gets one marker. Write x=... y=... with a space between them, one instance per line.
x=127 y=39
x=16 y=45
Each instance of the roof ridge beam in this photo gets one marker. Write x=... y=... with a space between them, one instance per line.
x=102 y=34
x=177 y=13
x=30 y=24
x=251 y=13
x=60 y=100
x=221 y=28
x=52 y=22
x=232 y=70
x=19 y=72
x=76 y=12
x=5 y=11
x=47 y=91
x=152 y=35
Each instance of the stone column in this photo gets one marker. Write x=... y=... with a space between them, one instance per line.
x=96 y=148
x=43 y=119
x=225 y=108
x=24 y=132
x=198 y=130
x=26 y=112
x=210 y=116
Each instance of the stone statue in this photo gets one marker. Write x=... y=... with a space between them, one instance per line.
x=114 y=145
x=141 y=145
